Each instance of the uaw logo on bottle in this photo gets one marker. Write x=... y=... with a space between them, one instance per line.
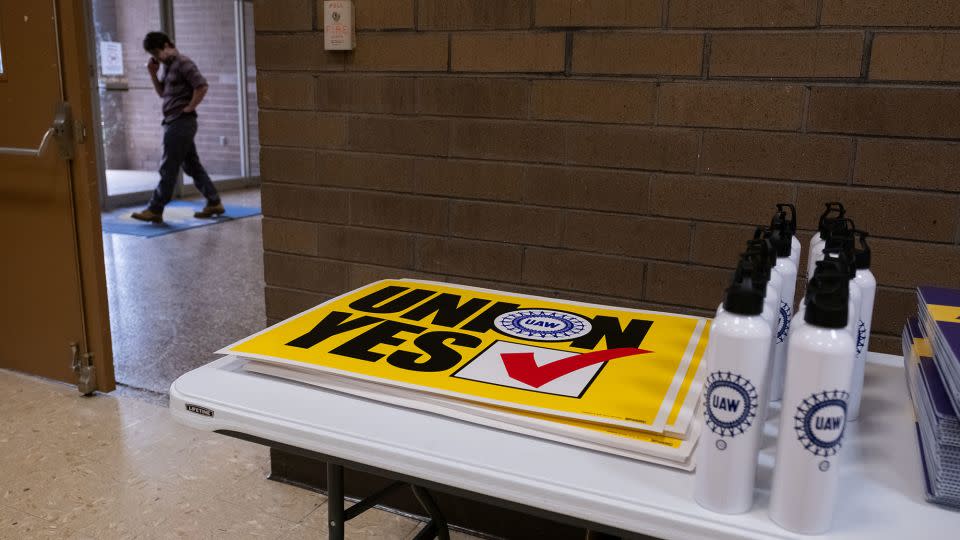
x=784 y=326
x=731 y=405
x=820 y=422
x=861 y=336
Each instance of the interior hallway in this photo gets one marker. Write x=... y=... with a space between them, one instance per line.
x=109 y=467
x=177 y=298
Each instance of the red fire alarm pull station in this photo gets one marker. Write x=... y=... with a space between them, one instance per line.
x=338 y=30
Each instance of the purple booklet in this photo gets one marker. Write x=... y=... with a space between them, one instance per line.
x=942 y=307
x=932 y=378
x=940 y=317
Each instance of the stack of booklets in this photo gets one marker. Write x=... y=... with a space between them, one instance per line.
x=939 y=311
x=938 y=427
x=614 y=380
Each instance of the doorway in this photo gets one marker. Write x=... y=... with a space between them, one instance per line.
x=176 y=297
x=218 y=36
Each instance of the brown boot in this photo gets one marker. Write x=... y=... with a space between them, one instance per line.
x=148 y=215
x=210 y=211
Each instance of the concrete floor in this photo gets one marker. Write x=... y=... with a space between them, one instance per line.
x=175 y=299
x=109 y=467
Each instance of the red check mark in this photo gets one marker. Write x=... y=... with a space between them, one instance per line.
x=523 y=367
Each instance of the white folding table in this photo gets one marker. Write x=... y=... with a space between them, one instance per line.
x=881 y=495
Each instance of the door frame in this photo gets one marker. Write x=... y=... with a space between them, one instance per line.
x=167 y=25
x=75 y=69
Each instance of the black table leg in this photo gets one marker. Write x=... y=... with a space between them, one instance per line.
x=335 y=516
x=438 y=524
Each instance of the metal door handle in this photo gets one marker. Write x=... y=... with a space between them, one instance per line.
x=6 y=150
x=60 y=130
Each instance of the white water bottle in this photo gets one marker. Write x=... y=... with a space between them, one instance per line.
x=819 y=366
x=761 y=279
x=783 y=282
x=867 y=284
x=833 y=212
x=838 y=236
x=761 y=252
x=791 y=220
x=737 y=362
x=781 y=238
x=840 y=254
x=842 y=262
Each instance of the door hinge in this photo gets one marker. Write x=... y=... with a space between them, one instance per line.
x=82 y=364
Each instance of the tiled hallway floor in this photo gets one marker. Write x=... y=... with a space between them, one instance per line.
x=110 y=467
x=174 y=299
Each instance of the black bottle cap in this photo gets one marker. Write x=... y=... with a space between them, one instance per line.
x=759 y=269
x=841 y=239
x=839 y=260
x=790 y=218
x=862 y=253
x=828 y=294
x=833 y=212
x=780 y=235
x=745 y=294
x=762 y=246
x=843 y=227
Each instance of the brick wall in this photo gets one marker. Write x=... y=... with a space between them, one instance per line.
x=616 y=151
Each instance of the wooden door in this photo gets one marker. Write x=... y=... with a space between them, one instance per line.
x=53 y=304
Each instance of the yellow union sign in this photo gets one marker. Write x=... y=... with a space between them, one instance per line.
x=631 y=368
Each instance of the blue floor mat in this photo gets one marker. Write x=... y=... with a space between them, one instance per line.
x=177 y=216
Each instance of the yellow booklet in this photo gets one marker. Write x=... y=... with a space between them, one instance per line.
x=630 y=368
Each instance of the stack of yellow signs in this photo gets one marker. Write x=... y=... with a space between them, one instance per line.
x=615 y=380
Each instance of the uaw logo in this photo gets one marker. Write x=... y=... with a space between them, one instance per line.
x=820 y=422
x=542 y=325
x=784 y=327
x=731 y=405
x=861 y=336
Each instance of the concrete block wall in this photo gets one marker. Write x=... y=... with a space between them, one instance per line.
x=614 y=151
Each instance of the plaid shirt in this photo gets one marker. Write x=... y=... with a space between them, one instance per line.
x=180 y=78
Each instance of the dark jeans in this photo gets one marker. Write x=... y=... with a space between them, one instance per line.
x=179 y=150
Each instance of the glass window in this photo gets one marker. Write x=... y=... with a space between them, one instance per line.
x=253 y=134
x=129 y=106
x=206 y=32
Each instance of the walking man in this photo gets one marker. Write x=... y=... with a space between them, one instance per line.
x=182 y=88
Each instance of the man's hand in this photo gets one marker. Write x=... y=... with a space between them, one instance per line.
x=152 y=66
x=198 y=94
